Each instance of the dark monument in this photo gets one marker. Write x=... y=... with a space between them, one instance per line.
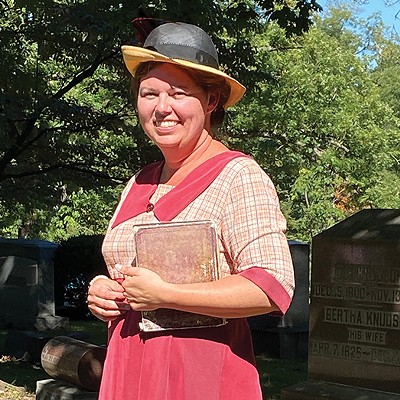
x=27 y=285
x=354 y=347
x=286 y=336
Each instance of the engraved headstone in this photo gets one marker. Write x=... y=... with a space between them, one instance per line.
x=27 y=285
x=354 y=348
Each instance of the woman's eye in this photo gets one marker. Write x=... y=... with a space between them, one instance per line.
x=147 y=94
x=179 y=95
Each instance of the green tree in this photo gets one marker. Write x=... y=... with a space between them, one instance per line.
x=321 y=127
x=67 y=125
x=65 y=120
x=386 y=73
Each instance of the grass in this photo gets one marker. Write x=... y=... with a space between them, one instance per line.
x=275 y=373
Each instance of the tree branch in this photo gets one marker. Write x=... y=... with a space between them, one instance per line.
x=82 y=75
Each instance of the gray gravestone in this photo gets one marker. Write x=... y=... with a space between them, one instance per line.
x=27 y=285
x=287 y=336
x=354 y=348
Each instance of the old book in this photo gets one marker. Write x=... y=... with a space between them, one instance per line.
x=180 y=252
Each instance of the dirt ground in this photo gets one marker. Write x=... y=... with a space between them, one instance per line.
x=10 y=392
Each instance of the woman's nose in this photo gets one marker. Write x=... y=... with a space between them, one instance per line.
x=163 y=103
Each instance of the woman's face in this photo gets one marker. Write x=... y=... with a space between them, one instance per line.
x=172 y=108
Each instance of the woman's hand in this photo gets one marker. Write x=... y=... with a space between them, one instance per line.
x=143 y=288
x=233 y=296
x=106 y=300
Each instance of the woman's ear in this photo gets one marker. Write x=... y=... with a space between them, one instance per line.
x=213 y=100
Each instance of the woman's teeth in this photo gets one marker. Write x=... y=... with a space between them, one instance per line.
x=166 y=124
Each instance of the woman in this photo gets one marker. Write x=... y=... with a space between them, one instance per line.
x=179 y=91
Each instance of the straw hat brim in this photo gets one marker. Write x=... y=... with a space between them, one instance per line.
x=133 y=56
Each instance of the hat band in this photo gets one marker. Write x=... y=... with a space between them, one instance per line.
x=186 y=53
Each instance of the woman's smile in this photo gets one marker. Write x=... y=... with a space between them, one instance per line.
x=165 y=124
x=173 y=109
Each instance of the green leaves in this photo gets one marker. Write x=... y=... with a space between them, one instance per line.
x=66 y=118
x=321 y=114
x=322 y=126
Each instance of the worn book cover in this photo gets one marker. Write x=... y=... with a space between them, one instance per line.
x=180 y=252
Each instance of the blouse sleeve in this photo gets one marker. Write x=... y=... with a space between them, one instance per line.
x=253 y=232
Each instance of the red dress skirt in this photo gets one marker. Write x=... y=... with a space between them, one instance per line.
x=189 y=364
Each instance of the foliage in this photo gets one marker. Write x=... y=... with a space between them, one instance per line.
x=61 y=130
x=321 y=114
x=386 y=73
x=321 y=127
x=82 y=212
x=67 y=125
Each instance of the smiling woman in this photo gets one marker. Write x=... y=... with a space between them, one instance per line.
x=174 y=111
x=178 y=89
x=204 y=80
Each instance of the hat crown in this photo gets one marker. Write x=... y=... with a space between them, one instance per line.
x=183 y=41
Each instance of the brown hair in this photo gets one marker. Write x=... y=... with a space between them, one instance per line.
x=207 y=81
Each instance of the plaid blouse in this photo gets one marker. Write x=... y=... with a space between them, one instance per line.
x=243 y=203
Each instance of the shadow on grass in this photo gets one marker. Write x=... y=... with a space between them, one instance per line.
x=275 y=374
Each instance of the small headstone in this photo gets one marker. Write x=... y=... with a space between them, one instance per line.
x=354 y=348
x=27 y=285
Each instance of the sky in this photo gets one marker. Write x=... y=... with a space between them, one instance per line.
x=388 y=12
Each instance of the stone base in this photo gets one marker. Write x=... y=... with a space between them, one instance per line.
x=52 y=389
x=318 y=390
x=50 y=322
x=25 y=322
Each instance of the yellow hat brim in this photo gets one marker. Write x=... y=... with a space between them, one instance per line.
x=133 y=56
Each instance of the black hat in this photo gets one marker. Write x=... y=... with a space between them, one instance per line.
x=185 y=45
